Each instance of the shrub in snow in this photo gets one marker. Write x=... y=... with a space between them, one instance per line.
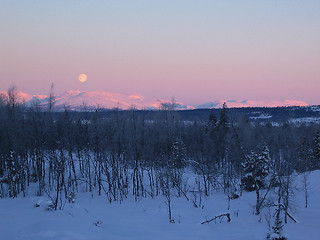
x=97 y=223
x=277 y=228
x=71 y=197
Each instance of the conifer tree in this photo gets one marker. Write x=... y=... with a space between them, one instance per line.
x=223 y=121
x=304 y=161
x=316 y=152
x=178 y=151
x=256 y=169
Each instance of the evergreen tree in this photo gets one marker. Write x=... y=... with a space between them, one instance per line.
x=223 y=121
x=316 y=152
x=177 y=164
x=211 y=125
x=178 y=153
x=256 y=169
x=212 y=119
x=304 y=162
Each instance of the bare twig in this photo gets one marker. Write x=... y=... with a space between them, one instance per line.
x=219 y=216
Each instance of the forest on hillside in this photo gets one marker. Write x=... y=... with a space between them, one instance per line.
x=127 y=154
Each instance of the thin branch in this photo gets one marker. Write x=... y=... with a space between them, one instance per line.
x=219 y=216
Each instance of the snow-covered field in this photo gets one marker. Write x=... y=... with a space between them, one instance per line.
x=306 y=120
x=93 y=217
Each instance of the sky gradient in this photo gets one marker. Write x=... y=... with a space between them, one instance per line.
x=196 y=51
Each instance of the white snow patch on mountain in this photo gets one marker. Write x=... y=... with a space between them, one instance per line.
x=77 y=100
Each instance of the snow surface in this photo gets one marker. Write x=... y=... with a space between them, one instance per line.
x=93 y=217
x=262 y=116
x=305 y=120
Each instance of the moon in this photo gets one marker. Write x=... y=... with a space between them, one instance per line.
x=82 y=77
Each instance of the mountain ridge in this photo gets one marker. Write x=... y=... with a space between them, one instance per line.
x=79 y=99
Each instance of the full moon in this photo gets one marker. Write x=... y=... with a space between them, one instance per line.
x=82 y=77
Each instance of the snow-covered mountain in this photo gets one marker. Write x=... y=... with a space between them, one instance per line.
x=252 y=103
x=77 y=100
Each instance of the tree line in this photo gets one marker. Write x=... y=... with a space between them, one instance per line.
x=129 y=154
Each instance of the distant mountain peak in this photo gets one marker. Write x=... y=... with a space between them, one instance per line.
x=252 y=103
x=77 y=99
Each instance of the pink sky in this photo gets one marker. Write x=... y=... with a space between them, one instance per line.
x=196 y=51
